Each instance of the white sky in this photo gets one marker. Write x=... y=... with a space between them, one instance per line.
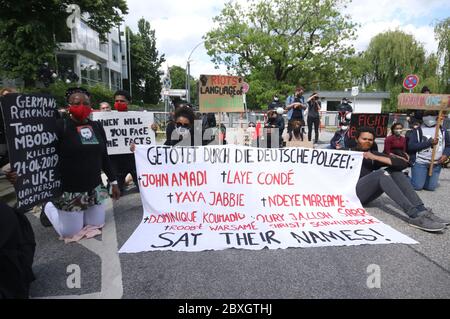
x=180 y=24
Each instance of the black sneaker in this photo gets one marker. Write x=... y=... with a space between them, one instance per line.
x=427 y=223
x=437 y=218
x=43 y=218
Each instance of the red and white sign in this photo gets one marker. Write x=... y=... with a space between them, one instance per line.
x=411 y=81
x=213 y=198
x=245 y=87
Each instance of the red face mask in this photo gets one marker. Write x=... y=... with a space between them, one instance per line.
x=121 y=106
x=80 y=112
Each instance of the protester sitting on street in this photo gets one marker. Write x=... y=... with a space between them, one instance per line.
x=341 y=138
x=17 y=247
x=420 y=147
x=395 y=141
x=170 y=127
x=80 y=210
x=274 y=122
x=295 y=137
x=373 y=182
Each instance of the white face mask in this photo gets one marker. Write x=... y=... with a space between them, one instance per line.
x=429 y=120
x=182 y=131
x=344 y=128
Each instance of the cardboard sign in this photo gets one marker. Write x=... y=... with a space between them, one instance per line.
x=379 y=123
x=432 y=102
x=221 y=93
x=203 y=198
x=30 y=126
x=124 y=128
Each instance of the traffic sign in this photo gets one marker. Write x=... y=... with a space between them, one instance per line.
x=245 y=87
x=411 y=81
x=355 y=91
x=167 y=83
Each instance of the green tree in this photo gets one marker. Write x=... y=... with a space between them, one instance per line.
x=390 y=57
x=442 y=35
x=280 y=36
x=178 y=77
x=145 y=64
x=29 y=29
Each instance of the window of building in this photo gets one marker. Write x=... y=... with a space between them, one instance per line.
x=88 y=36
x=115 y=51
x=115 y=80
x=91 y=71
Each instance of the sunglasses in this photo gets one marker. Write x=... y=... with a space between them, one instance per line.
x=183 y=125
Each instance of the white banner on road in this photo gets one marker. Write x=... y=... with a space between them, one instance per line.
x=123 y=128
x=213 y=198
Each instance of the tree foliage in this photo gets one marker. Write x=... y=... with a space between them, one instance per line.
x=280 y=36
x=145 y=64
x=28 y=29
x=178 y=77
x=442 y=35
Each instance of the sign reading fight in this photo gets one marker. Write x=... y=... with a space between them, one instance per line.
x=30 y=125
x=124 y=128
x=378 y=122
x=424 y=101
x=221 y=93
x=203 y=198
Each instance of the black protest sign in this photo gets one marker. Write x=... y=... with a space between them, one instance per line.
x=30 y=126
x=378 y=122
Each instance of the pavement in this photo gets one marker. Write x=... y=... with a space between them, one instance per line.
x=406 y=271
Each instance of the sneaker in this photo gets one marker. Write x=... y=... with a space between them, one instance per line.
x=426 y=222
x=437 y=218
x=43 y=218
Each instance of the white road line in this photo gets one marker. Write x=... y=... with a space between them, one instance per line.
x=111 y=270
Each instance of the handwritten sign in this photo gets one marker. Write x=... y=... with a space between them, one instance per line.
x=423 y=101
x=379 y=123
x=124 y=128
x=30 y=125
x=221 y=93
x=203 y=198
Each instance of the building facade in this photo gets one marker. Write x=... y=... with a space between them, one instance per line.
x=93 y=61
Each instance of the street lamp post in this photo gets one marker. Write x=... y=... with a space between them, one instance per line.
x=188 y=72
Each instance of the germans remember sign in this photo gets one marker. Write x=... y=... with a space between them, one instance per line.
x=124 y=128
x=378 y=122
x=202 y=198
x=221 y=93
x=30 y=125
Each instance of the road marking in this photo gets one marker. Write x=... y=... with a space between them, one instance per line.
x=111 y=270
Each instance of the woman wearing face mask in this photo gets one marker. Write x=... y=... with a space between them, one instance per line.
x=373 y=182
x=420 y=146
x=395 y=141
x=80 y=210
x=183 y=133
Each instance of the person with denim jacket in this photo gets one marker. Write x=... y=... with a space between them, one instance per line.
x=420 y=148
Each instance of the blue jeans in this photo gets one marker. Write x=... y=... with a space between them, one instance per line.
x=420 y=179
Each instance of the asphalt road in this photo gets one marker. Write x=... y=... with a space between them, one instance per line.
x=406 y=271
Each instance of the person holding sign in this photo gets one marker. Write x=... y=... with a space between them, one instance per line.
x=420 y=145
x=83 y=155
x=183 y=132
x=373 y=182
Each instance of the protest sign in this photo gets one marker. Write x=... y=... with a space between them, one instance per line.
x=434 y=102
x=378 y=122
x=221 y=93
x=30 y=126
x=124 y=128
x=203 y=198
